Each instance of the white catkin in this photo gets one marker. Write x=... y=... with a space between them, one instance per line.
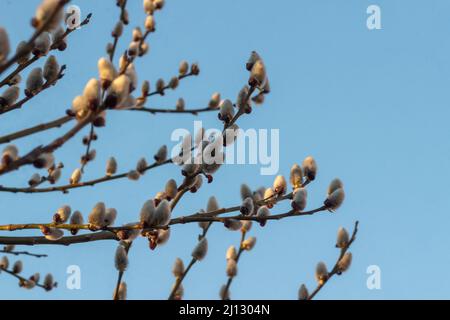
x=200 y=250
x=4 y=44
x=111 y=166
x=97 y=215
x=121 y=259
x=35 y=80
x=51 y=69
x=54 y=234
x=147 y=215
x=342 y=238
x=178 y=268
x=10 y=95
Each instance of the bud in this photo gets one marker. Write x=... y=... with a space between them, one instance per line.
x=321 y=273
x=76 y=176
x=247 y=206
x=45 y=160
x=4 y=45
x=141 y=166
x=46 y=11
x=270 y=197
x=162 y=213
x=23 y=50
x=80 y=106
x=242 y=101
x=231 y=253
x=160 y=86
x=262 y=213
x=34 y=82
x=35 y=277
x=342 y=238
x=111 y=166
x=200 y=250
x=110 y=217
x=62 y=215
x=9 y=248
x=122 y=292
x=9 y=96
x=17 y=267
x=131 y=73
x=246 y=192
x=249 y=243
x=246 y=225
x=4 y=263
x=212 y=205
x=198 y=181
x=52 y=234
x=226 y=112
x=258 y=73
x=335 y=199
x=178 y=268
x=145 y=90
x=184 y=67
x=233 y=224
x=309 y=168
x=149 y=7
x=107 y=72
x=296 y=176
x=51 y=69
x=76 y=219
x=299 y=200
x=214 y=101
x=118 y=91
x=133 y=175
x=180 y=104
x=279 y=185
x=54 y=175
x=334 y=185
x=121 y=259
x=10 y=153
x=42 y=44
x=195 y=69
x=150 y=23
x=118 y=30
x=97 y=216
x=303 y=293
x=48 y=282
x=163 y=236
x=147 y=215
x=171 y=189
x=58 y=36
x=231 y=268
x=161 y=155
x=345 y=262
x=92 y=92
x=251 y=61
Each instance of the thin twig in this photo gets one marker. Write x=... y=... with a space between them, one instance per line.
x=241 y=249
x=21 y=279
x=335 y=269
x=24 y=253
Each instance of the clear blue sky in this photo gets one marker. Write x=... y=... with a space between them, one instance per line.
x=370 y=106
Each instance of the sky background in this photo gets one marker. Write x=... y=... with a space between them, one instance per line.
x=370 y=106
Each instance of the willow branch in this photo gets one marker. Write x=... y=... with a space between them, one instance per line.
x=162 y=110
x=54 y=46
x=23 y=253
x=36 y=34
x=22 y=280
x=36 y=129
x=46 y=85
x=120 y=275
x=335 y=269
x=241 y=250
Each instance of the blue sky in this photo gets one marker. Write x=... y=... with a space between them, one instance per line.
x=370 y=106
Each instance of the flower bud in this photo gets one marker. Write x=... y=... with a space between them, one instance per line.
x=111 y=166
x=231 y=268
x=45 y=160
x=161 y=155
x=321 y=273
x=107 y=72
x=334 y=185
x=309 y=168
x=160 y=86
x=149 y=7
x=180 y=106
x=258 y=73
x=52 y=234
x=76 y=176
x=97 y=216
x=150 y=23
x=247 y=206
x=200 y=250
x=231 y=253
x=299 y=200
x=279 y=185
x=122 y=292
x=147 y=214
x=162 y=213
x=92 y=92
x=214 y=101
x=171 y=189
x=226 y=112
x=212 y=205
x=42 y=44
x=198 y=181
x=141 y=166
x=54 y=175
x=203 y=224
x=23 y=50
x=178 y=268
x=10 y=153
x=62 y=215
x=80 y=106
x=9 y=96
x=76 y=219
x=195 y=69
x=17 y=267
x=251 y=61
x=184 y=67
x=59 y=40
x=345 y=262
x=49 y=284
x=46 y=11
x=110 y=217
x=118 y=30
x=51 y=69
x=246 y=225
x=296 y=176
x=4 y=45
x=121 y=259
x=262 y=213
x=34 y=82
x=118 y=91
x=233 y=224
x=242 y=101
x=163 y=236
x=270 y=197
x=249 y=244
x=303 y=293
x=335 y=199
x=246 y=192
x=342 y=238
x=4 y=263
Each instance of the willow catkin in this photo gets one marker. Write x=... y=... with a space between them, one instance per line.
x=161 y=155
x=249 y=243
x=303 y=293
x=147 y=214
x=342 y=238
x=296 y=176
x=226 y=112
x=214 y=101
x=111 y=166
x=110 y=217
x=299 y=199
x=42 y=44
x=46 y=11
x=162 y=213
x=121 y=259
x=62 y=215
x=279 y=185
x=35 y=81
x=335 y=199
x=97 y=216
x=4 y=45
x=51 y=69
x=309 y=168
x=178 y=268
x=321 y=273
x=9 y=96
x=200 y=250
